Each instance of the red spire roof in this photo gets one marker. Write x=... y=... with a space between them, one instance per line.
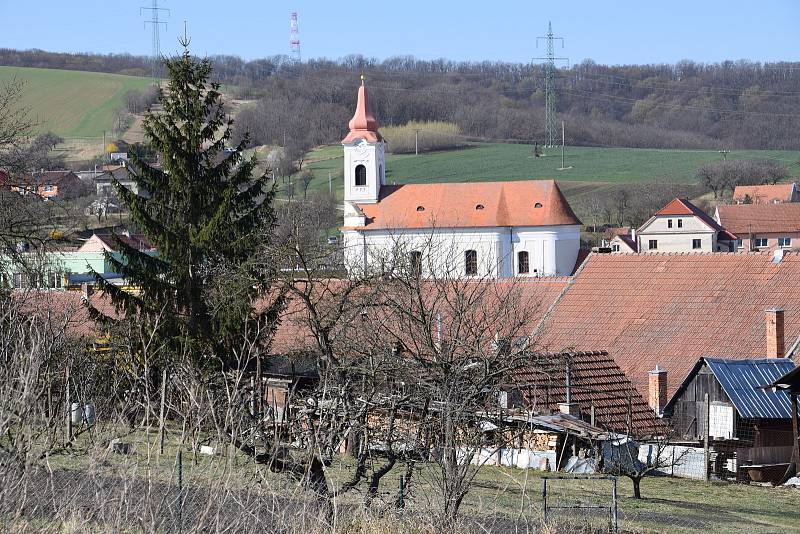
x=363 y=124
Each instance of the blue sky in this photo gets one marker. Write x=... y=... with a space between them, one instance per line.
x=607 y=31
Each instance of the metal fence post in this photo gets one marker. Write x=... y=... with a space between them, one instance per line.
x=180 y=490
x=400 y=496
x=614 y=518
x=544 y=498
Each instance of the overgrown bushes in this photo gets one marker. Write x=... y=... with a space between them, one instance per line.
x=422 y=136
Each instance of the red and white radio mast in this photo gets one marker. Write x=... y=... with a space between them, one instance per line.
x=294 y=37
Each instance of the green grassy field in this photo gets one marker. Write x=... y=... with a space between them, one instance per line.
x=591 y=167
x=72 y=103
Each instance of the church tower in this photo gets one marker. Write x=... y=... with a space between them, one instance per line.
x=364 y=166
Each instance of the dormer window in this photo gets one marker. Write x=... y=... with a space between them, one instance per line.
x=420 y=208
x=537 y=205
x=361 y=175
x=479 y=207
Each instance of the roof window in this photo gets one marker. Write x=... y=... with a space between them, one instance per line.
x=479 y=207
x=537 y=205
x=420 y=208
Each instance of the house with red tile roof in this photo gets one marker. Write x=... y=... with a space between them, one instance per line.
x=477 y=229
x=680 y=226
x=765 y=194
x=666 y=311
x=762 y=226
x=620 y=240
x=48 y=185
x=105 y=243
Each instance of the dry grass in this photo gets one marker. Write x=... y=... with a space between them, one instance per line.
x=429 y=135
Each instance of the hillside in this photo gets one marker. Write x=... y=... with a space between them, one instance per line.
x=602 y=183
x=73 y=103
x=501 y=161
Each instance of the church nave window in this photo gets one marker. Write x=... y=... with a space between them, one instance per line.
x=471 y=263
x=523 y=265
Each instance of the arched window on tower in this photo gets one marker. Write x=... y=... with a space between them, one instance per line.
x=523 y=265
x=361 y=175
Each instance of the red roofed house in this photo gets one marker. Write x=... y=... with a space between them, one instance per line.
x=669 y=310
x=483 y=229
x=765 y=194
x=48 y=185
x=680 y=226
x=762 y=226
x=105 y=243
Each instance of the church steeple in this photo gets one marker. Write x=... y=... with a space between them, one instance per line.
x=364 y=147
x=363 y=124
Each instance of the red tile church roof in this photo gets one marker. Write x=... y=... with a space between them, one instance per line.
x=470 y=205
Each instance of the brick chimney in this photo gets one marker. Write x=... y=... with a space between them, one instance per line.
x=776 y=347
x=658 y=389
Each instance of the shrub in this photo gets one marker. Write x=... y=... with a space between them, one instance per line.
x=430 y=136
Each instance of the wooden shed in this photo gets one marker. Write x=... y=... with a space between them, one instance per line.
x=723 y=405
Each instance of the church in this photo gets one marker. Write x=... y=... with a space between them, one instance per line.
x=478 y=229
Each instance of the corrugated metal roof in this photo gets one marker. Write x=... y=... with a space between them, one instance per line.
x=742 y=381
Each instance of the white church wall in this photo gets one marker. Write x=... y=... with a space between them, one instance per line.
x=552 y=250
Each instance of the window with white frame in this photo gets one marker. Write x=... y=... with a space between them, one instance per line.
x=669 y=223
x=760 y=242
x=785 y=242
x=652 y=244
x=696 y=244
x=680 y=223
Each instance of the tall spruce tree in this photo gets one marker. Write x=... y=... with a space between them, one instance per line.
x=207 y=216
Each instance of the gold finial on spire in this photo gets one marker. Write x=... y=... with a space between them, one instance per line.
x=362 y=78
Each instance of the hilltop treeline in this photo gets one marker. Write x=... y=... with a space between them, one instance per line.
x=686 y=105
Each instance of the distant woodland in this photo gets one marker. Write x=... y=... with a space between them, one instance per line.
x=686 y=105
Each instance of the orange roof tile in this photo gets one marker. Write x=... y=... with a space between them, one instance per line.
x=742 y=219
x=759 y=194
x=671 y=309
x=595 y=380
x=470 y=205
x=363 y=124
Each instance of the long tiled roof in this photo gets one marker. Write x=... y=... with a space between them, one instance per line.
x=764 y=193
x=672 y=309
x=470 y=205
x=595 y=380
x=743 y=219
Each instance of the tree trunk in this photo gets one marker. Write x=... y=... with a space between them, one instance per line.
x=637 y=493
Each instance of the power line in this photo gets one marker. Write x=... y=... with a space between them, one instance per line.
x=155 y=23
x=549 y=84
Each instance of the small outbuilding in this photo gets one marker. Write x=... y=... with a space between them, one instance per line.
x=745 y=429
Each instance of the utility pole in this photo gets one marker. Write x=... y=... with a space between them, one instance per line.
x=562 y=145
x=156 y=26
x=549 y=82
x=416 y=141
x=330 y=184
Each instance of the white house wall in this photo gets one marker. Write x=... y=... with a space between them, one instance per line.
x=677 y=239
